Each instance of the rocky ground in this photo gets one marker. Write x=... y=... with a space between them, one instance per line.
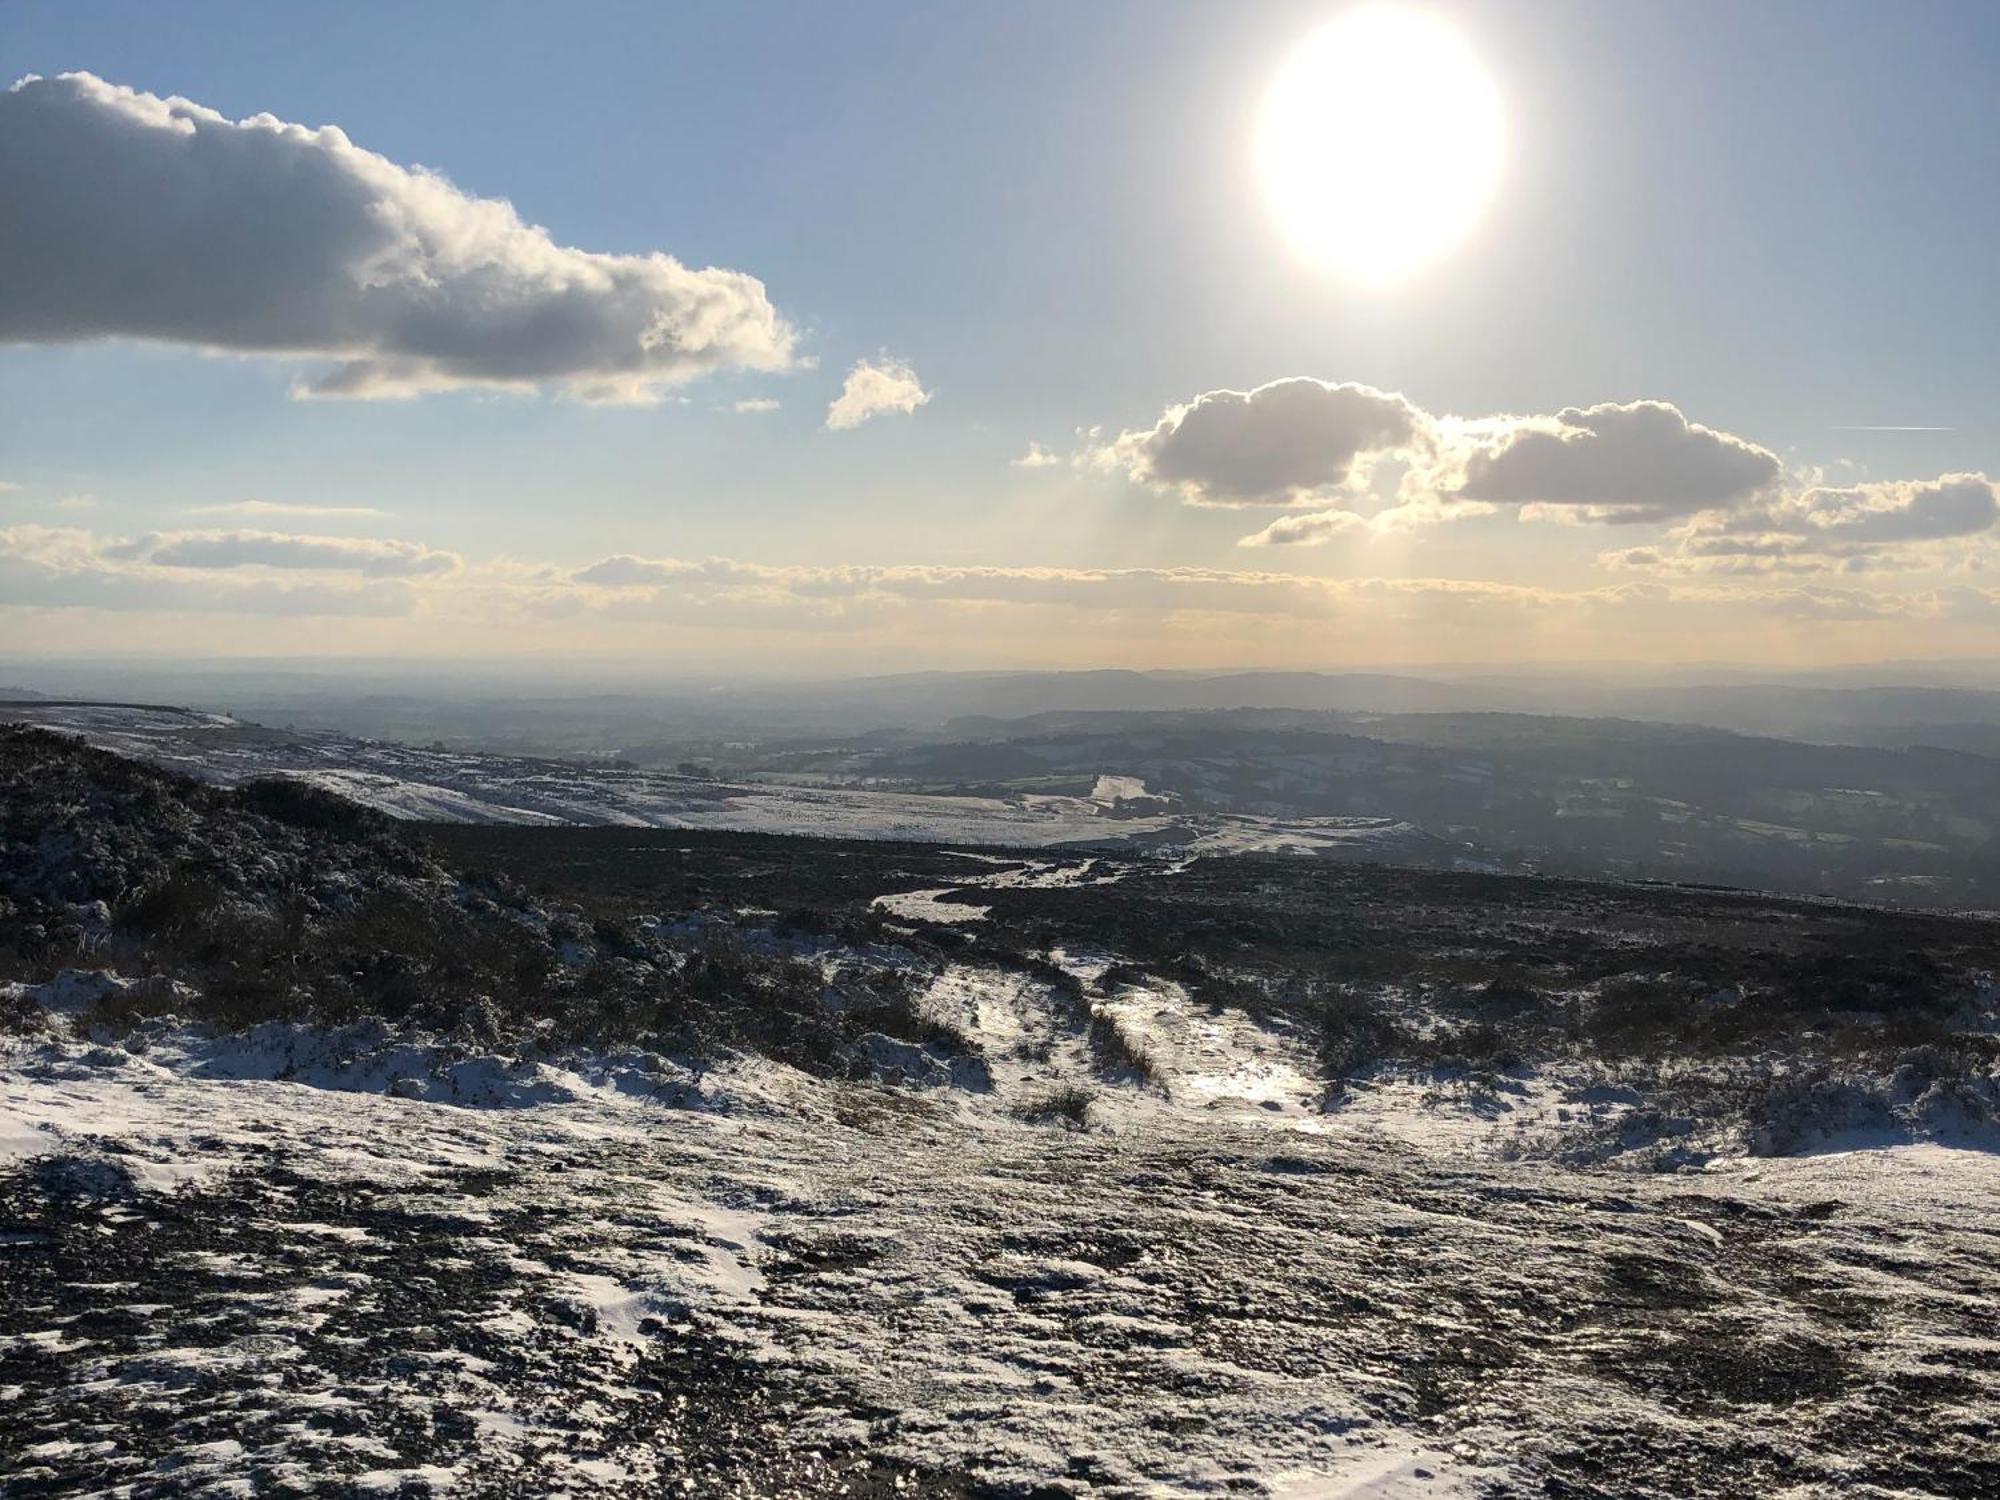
x=950 y=1175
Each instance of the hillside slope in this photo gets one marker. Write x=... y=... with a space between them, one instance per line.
x=515 y=1161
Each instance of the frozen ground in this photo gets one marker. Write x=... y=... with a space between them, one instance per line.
x=312 y=1262
x=444 y=786
x=1109 y=1177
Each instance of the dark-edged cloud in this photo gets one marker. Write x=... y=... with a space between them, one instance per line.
x=372 y=557
x=1638 y=461
x=1883 y=515
x=47 y=567
x=1303 y=442
x=1860 y=528
x=130 y=216
x=1279 y=444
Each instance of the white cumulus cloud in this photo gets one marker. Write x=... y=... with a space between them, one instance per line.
x=875 y=388
x=133 y=216
x=1279 y=444
x=1311 y=529
x=1632 y=462
x=1302 y=442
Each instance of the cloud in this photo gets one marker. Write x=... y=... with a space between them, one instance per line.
x=1620 y=463
x=627 y=571
x=45 y=567
x=875 y=388
x=1843 y=604
x=755 y=406
x=1866 y=527
x=1637 y=559
x=68 y=504
x=1279 y=444
x=842 y=588
x=1301 y=441
x=718 y=591
x=627 y=597
x=1416 y=512
x=371 y=557
x=1037 y=457
x=136 y=217
x=285 y=508
x=1746 y=564
x=1313 y=529
x=1876 y=515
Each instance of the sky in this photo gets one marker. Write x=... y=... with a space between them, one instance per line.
x=846 y=338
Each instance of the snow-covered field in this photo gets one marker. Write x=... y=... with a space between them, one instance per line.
x=1100 y=1218
x=309 y=1261
x=408 y=782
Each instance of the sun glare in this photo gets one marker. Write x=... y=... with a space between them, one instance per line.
x=1380 y=142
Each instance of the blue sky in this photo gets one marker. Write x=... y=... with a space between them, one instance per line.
x=1776 y=217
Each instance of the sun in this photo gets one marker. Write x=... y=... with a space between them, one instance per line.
x=1380 y=142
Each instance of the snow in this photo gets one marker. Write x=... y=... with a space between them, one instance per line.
x=1216 y=1288
x=399 y=1481
x=1394 y=1473
x=928 y=906
x=1218 y=1060
x=408 y=782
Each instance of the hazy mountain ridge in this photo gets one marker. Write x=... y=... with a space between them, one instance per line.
x=1578 y=796
x=523 y=709
x=1503 y=791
